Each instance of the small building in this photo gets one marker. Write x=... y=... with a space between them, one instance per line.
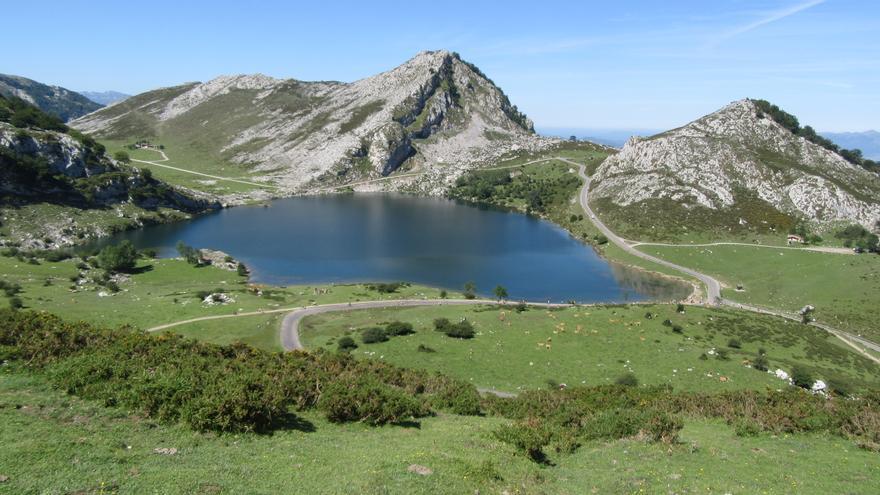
x=795 y=239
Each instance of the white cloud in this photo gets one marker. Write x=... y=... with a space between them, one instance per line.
x=768 y=18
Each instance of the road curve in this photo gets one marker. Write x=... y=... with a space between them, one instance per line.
x=713 y=287
x=290 y=325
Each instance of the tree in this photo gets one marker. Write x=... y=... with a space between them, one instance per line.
x=801 y=377
x=470 y=290
x=500 y=292
x=443 y=294
x=241 y=270
x=121 y=156
x=760 y=363
x=189 y=253
x=119 y=258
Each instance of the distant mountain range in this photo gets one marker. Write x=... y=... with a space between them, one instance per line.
x=739 y=169
x=436 y=113
x=104 y=98
x=867 y=141
x=609 y=137
x=61 y=102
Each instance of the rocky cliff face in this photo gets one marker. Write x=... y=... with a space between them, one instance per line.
x=435 y=112
x=715 y=161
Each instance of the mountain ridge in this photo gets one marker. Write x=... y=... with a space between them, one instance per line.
x=435 y=112
x=61 y=102
x=715 y=161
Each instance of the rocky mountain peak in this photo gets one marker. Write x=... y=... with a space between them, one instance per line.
x=736 y=152
x=434 y=111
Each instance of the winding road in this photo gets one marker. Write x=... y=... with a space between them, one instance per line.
x=165 y=159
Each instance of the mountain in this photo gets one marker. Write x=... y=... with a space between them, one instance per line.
x=104 y=98
x=435 y=113
x=867 y=141
x=64 y=103
x=609 y=137
x=43 y=162
x=737 y=170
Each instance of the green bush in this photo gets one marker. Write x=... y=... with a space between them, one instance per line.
x=801 y=377
x=346 y=344
x=118 y=258
x=373 y=335
x=441 y=324
x=734 y=344
x=424 y=348
x=461 y=330
x=396 y=328
x=760 y=363
x=363 y=398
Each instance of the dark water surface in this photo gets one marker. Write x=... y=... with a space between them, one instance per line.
x=431 y=241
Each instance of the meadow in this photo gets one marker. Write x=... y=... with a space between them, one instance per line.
x=594 y=345
x=845 y=289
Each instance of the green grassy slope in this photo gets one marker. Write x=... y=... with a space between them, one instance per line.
x=53 y=443
x=845 y=289
x=595 y=345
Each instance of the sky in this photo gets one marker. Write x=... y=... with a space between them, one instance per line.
x=579 y=64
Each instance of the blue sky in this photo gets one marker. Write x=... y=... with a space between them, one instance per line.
x=621 y=64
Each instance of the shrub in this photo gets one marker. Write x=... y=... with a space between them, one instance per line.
x=760 y=363
x=398 y=328
x=801 y=377
x=677 y=329
x=443 y=294
x=679 y=308
x=119 y=258
x=441 y=324
x=734 y=344
x=667 y=322
x=15 y=302
x=346 y=344
x=373 y=335
x=364 y=398
x=461 y=330
x=722 y=355
x=839 y=387
x=387 y=288
x=424 y=348
x=529 y=438
x=627 y=380
x=521 y=307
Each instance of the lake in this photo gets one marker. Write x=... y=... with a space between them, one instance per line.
x=388 y=237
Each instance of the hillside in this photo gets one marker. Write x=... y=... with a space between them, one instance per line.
x=735 y=172
x=53 y=178
x=58 y=101
x=435 y=113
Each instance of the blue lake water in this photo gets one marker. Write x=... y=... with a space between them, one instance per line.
x=431 y=241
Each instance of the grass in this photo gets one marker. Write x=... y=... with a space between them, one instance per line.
x=182 y=156
x=845 y=289
x=165 y=291
x=53 y=443
x=594 y=345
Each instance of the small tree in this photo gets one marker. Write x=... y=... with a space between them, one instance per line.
x=760 y=363
x=189 y=253
x=119 y=258
x=801 y=377
x=121 y=156
x=679 y=308
x=734 y=344
x=441 y=324
x=443 y=294
x=242 y=270
x=470 y=290
x=500 y=292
